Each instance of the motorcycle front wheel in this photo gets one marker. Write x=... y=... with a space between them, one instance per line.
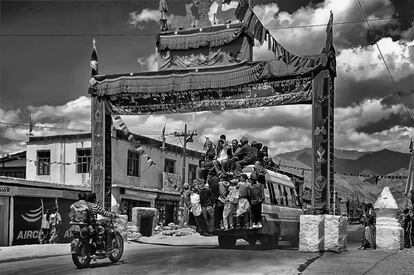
x=82 y=258
x=117 y=248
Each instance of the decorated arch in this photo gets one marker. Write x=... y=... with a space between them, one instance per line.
x=207 y=66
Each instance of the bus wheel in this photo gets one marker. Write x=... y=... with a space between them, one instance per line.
x=268 y=241
x=227 y=241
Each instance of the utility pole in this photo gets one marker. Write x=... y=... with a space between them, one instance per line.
x=187 y=138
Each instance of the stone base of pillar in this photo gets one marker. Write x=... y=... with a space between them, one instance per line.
x=322 y=233
x=389 y=234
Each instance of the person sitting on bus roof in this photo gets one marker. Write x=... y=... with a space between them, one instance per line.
x=243 y=207
x=256 y=195
x=231 y=152
x=221 y=155
x=255 y=149
x=243 y=157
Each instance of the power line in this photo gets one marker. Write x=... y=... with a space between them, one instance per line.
x=154 y=34
x=385 y=63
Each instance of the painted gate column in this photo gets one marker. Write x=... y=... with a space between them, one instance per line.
x=98 y=142
x=323 y=144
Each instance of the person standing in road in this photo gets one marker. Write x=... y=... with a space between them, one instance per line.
x=368 y=240
x=407 y=226
x=186 y=204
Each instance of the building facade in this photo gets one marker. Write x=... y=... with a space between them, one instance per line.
x=66 y=159
x=13 y=165
x=22 y=204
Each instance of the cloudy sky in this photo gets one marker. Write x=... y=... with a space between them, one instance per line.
x=45 y=51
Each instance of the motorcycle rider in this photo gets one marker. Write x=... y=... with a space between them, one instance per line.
x=99 y=224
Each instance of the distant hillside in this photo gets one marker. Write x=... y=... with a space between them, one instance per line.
x=380 y=163
x=339 y=153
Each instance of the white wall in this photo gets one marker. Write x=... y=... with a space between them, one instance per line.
x=65 y=151
x=60 y=151
x=150 y=177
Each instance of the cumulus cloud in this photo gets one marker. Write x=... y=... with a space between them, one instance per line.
x=310 y=40
x=146 y=15
x=150 y=63
x=367 y=126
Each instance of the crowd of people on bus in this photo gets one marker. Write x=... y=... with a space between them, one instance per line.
x=224 y=198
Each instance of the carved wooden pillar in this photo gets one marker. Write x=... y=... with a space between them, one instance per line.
x=323 y=143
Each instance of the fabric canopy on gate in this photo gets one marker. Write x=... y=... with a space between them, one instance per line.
x=247 y=85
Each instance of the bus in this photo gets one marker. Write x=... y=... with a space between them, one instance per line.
x=281 y=211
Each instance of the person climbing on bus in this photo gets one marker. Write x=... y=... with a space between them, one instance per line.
x=223 y=189
x=230 y=205
x=243 y=207
x=207 y=204
x=256 y=195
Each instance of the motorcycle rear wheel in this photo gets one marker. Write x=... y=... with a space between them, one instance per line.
x=117 y=248
x=82 y=258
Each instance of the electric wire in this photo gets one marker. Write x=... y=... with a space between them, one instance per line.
x=385 y=63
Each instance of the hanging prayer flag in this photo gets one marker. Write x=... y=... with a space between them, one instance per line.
x=94 y=59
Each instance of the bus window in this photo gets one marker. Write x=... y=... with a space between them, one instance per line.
x=294 y=197
x=282 y=198
x=288 y=198
x=278 y=197
x=271 y=192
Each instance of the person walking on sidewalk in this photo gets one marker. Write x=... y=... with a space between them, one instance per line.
x=55 y=221
x=44 y=228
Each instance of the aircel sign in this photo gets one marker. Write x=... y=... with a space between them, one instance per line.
x=28 y=217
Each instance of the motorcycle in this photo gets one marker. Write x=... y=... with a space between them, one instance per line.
x=88 y=244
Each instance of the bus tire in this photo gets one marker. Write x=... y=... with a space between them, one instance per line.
x=227 y=241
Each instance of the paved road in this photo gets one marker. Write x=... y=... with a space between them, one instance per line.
x=182 y=259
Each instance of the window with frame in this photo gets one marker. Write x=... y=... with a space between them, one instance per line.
x=278 y=197
x=283 y=201
x=295 y=198
x=43 y=162
x=272 y=193
x=288 y=197
x=192 y=173
x=133 y=163
x=169 y=166
x=83 y=156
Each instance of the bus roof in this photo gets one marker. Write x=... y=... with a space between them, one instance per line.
x=272 y=176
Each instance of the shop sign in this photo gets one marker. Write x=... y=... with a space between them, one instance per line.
x=28 y=213
x=171 y=182
x=5 y=190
